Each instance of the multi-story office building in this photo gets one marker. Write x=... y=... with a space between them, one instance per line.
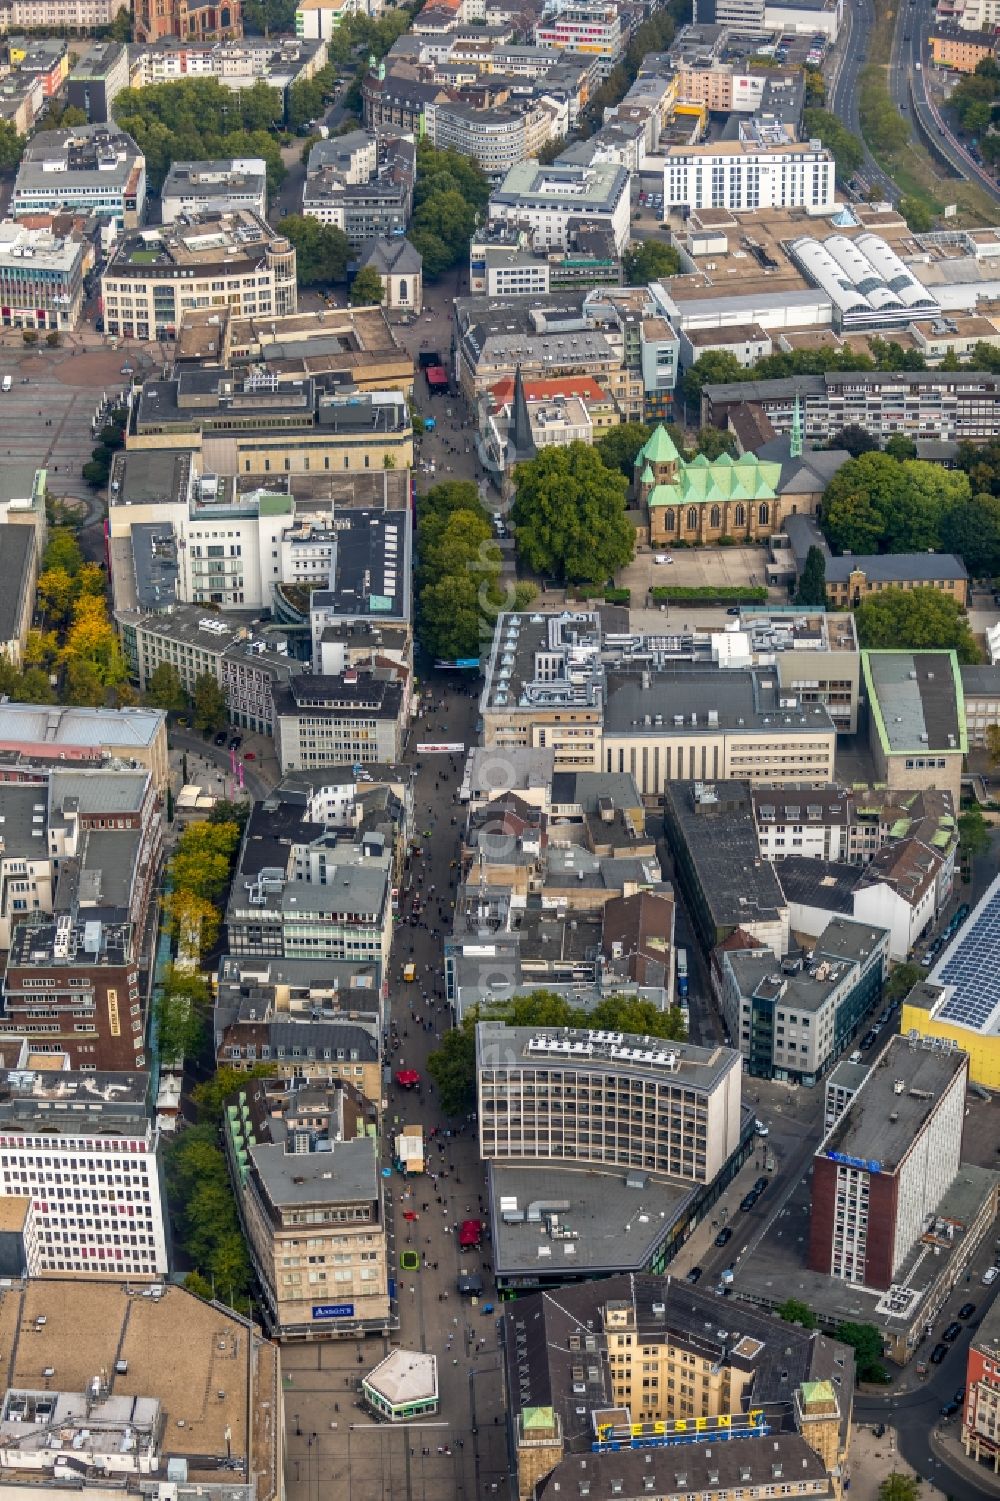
x=272 y=427
x=195 y=188
x=640 y=1349
x=306 y=1182
x=362 y=184
x=590 y=27
x=82 y=1147
x=58 y=819
x=299 y=892
x=72 y=986
x=323 y=720
x=842 y=1085
x=611 y=1099
x=949 y=406
x=916 y=719
x=750 y=174
x=881 y=1172
x=249 y=669
x=981 y=1406
x=981 y=698
x=232 y=260
x=87 y=169
x=88 y=737
x=41 y=276
x=548 y=198
x=497 y=139
x=792 y=1019
x=96 y=79
x=849 y=824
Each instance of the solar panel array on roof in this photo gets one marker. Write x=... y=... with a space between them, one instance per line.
x=973 y=967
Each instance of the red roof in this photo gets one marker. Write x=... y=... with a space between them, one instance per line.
x=407 y=1076
x=470 y=1232
x=436 y=375
x=584 y=386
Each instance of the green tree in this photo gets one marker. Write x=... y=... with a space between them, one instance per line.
x=62 y=551
x=11 y=146
x=901 y=447
x=971 y=528
x=570 y=516
x=619 y=445
x=321 y=250
x=367 y=288
x=795 y=1312
x=450 y=192
x=866 y=1342
x=452 y=1066
x=83 y=684
x=54 y=596
x=650 y=260
x=973 y=833
x=993 y=743
x=211 y=1095
x=120 y=29
x=816 y=90
x=812 y=583
x=164 y=689
x=713 y=442
x=199 y=119
x=899 y=1488
x=181 y=1010
x=856 y=440
x=717 y=367
x=848 y=150
x=902 y=981
x=208 y=702
x=227 y=811
x=919 y=215
x=915 y=620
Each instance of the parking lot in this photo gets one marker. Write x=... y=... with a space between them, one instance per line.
x=697 y=568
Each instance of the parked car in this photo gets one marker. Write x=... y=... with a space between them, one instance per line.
x=747 y=1202
x=949 y=1409
x=938 y=1354
x=990 y=1275
x=220 y=738
x=694 y=1274
x=249 y=756
x=663 y=557
x=879 y=1430
x=724 y=1236
x=959 y=1395
x=760 y=1128
x=952 y=1332
x=761 y=1184
x=967 y=1310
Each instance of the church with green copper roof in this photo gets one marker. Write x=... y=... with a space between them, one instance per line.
x=702 y=501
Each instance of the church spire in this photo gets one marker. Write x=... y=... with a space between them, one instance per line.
x=520 y=441
x=796 y=445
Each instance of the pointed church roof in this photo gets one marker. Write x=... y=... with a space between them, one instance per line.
x=661 y=448
x=520 y=443
x=647 y=477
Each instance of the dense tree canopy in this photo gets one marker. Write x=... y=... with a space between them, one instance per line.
x=650 y=260
x=848 y=149
x=875 y=503
x=366 y=288
x=570 y=515
x=458 y=573
x=812 y=583
x=321 y=250
x=197 y=119
x=915 y=620
x=450 y=192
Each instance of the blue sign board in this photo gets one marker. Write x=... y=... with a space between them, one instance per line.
x=863 y=1164
x=333 y=1310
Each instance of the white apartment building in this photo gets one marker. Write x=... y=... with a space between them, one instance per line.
x=81 y=1147
x=546 y=198
x=317 y=20
x=214 y=188
x=89 y=169
x=750 y=175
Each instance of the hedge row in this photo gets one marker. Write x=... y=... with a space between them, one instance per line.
x=707 y=594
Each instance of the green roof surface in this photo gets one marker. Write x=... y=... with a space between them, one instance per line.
x=661 y=448
x=707 y=482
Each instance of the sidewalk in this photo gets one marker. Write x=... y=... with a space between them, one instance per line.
x=946 y=1441
x=872 y=1460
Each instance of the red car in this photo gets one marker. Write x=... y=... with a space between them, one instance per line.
x=249 y=756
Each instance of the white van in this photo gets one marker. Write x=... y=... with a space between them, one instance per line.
x=990 y=1275
x=7 y=382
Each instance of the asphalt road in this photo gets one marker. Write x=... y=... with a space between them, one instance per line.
x=908 y=86
x=845 y=93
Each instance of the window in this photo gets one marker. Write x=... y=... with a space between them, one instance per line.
x=740 y=516
x=692 y=519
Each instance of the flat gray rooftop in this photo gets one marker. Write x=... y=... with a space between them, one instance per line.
x=881 y=1124
x=346 y=1174
x=500 y=1046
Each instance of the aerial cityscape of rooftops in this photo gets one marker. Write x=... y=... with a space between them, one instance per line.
x=500 y=750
